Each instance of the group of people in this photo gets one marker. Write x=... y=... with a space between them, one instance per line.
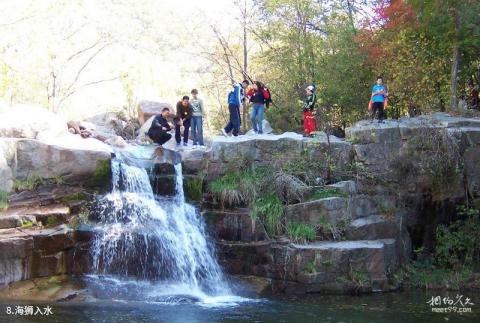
x=190 y=112
x=260 y=98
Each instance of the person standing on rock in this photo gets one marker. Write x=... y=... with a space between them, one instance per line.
x=379 y=99
x=258 y=96
x=158 y=131
x=309 y=123
x=197 y=119
x=183 y=118
x=235 y=98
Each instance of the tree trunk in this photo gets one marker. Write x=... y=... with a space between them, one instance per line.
x=456 y=61
x=245 y=64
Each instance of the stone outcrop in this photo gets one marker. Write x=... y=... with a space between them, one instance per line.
x=147 y=109
x=268 y=149
x=393 y=197
x=35 y=143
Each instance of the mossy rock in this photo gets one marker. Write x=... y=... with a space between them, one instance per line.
x=102 y=175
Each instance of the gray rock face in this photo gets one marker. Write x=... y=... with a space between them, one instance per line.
x=35 y=158
x=267 y=149
x=147 y=109
x=331 y=209
x=235 y=225
x=335 y=267
x=31 y=253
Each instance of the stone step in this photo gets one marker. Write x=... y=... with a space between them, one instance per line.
x=35 y=252
x=44 y=195
x=47 y=215
x=348 y=187
x=371 y=228
x=8 y=221
x=316 y=267
x=331 y=209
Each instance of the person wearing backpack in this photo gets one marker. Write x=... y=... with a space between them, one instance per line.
x=235 y=98
x=378 y=99
x=258 y=96
x=309 y=123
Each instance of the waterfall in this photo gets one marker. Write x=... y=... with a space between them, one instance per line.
x=151 y=238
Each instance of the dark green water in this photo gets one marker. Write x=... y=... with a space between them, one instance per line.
x=390 y=307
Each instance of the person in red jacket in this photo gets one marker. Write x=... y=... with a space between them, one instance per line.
x=258 y=96
x=309 y=124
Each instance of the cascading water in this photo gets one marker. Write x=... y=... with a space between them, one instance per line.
x=154 y=239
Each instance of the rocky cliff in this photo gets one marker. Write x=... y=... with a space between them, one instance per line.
x=383 y=190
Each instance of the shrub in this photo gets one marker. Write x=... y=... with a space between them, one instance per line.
x=226 y=189
x=3 y=200
x=240 y=187
x=327 y=192
x=28 y=184
x=458 y=244
x=52 y=220
x=288 y=187
x=194 y=188
x=301 y=232
x=269 y=210
x=331 y=230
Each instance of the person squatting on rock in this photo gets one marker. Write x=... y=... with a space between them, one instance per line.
x=258 y=96
x=183 y=118
x=378 y=100
x=309 y=123
x=158 y=131
x=235 y=98
x=197 y=119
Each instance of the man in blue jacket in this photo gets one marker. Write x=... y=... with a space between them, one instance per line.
x=235 y=98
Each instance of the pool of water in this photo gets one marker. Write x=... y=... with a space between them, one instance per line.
x=402 y=307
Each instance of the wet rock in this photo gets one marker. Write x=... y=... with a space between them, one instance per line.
x=234 y=225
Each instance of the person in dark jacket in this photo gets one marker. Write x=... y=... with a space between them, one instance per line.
x=158 y=131
x=309 y=123
x=184 y=114
x=235 y=98
x=258 y=96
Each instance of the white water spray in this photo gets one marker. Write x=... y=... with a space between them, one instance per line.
x=146 y=237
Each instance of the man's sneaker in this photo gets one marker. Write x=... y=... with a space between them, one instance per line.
x=203 y=147
x=185 y=144
x=178 y=145
x=195 y=146
x=224 y=133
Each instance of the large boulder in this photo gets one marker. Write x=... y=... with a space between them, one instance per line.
x=147 y=109
x=49 y=160
x=31 y=121
x=142 y=132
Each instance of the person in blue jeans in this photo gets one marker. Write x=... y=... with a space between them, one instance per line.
x=197 y=119
x=235 y=99
x=258 y=96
